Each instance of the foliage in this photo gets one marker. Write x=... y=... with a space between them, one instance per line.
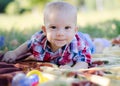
x=13 y=8
x=3 y=4
x=117 y=26
x=39 y=2
x=18 y=7
x=90 y=4
x=21 y=6
x=108 y=29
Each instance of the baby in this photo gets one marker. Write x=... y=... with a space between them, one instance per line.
x=59 y=42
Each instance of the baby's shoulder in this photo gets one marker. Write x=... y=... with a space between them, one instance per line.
x=80 y=36
x=38 y=35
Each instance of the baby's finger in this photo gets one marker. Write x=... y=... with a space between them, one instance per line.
x=11 y=60
x=6 y=59
x=60 y=66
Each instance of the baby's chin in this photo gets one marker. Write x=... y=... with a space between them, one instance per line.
x=60 y=44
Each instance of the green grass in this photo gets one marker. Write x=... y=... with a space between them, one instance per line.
x=14 y=35
x=108 y=29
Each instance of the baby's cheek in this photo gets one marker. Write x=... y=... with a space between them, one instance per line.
x=70 y=37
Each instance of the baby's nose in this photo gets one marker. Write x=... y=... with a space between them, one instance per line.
x=60 y=32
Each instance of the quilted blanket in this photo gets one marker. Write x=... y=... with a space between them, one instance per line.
x=8 y=70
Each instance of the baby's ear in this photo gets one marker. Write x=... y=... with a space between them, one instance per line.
x=76 y=29
x=44 y=29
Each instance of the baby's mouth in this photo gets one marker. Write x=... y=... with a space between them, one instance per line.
x=60 y=40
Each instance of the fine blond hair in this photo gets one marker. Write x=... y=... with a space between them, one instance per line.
x=61 y=7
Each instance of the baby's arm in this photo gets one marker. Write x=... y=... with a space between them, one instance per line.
x=11 y=56
x=77 y=66
x=65 y=67
x=80 y=65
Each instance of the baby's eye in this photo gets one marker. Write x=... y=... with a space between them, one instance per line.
x=67 y=27
x=53 y=27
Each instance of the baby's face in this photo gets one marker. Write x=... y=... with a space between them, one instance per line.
x=59 y=29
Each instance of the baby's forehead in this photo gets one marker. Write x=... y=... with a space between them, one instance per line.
x=59 y=7
x=60 y=15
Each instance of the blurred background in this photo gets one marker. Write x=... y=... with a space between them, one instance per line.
x=19 y=19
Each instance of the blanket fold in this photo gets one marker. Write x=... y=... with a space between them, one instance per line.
x=8 y=70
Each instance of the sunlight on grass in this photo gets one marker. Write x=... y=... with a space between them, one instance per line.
x=97 y=17
x=20 y=22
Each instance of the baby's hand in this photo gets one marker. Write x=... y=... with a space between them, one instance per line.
x=65 y=67
x=9 y=56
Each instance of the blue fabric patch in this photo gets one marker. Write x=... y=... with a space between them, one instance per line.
x=83 y=59
x=2 y=41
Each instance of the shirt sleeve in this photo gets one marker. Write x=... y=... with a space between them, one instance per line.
x=34 y=39
x=88 y=41
x=84 y=51
x=84 y=55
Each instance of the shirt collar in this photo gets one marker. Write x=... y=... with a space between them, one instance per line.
x=45 y=45
x=43 y=41
x=72 y=47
